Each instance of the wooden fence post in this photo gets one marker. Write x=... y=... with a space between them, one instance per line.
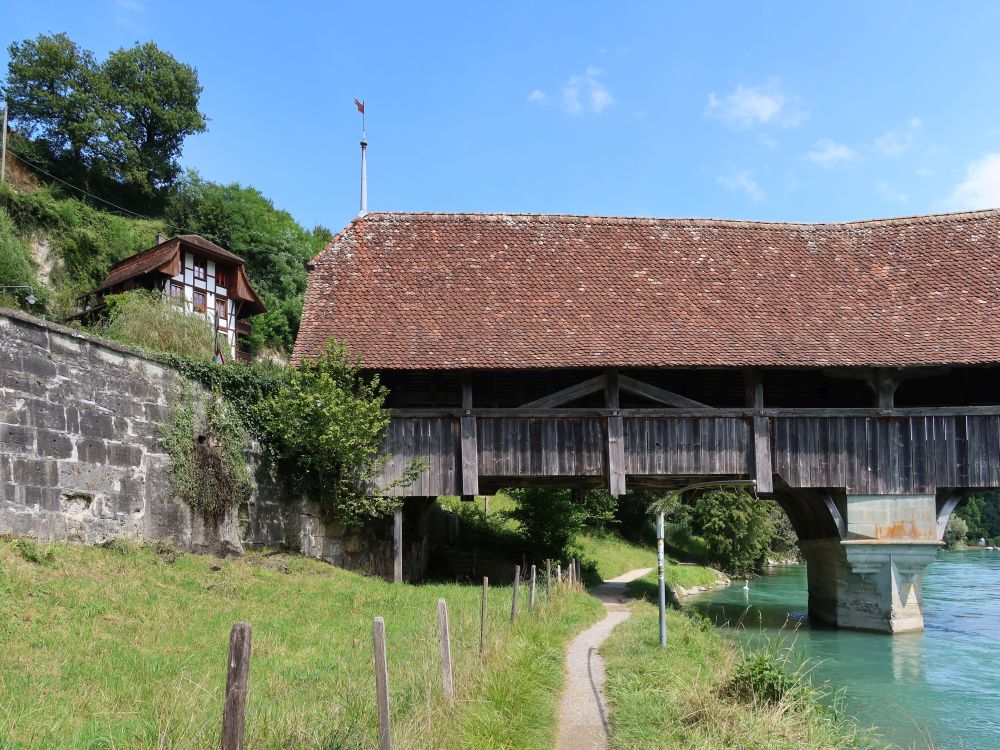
x=517 y=593
x=237 y=676
x=531 y=598
x=548 y=576
x=483 y=619
x=559 y=573
x=381 y=684
x=447 y=678
x=570 y=571
x=397 y=545
x=579 y=572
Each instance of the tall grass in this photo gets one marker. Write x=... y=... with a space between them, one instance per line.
x=145 y=319
x=125 y=647
x=698 y=693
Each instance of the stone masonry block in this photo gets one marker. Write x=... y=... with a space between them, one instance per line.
x=54 y=444
x=120 y=454
x=45 y=414
x=40 y=367
x=91 y=450
x=16 y=439
x=97 y=424
x=41 y=472
x=29 y=334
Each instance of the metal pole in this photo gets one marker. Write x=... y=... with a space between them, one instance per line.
x=3 y=147
x=660 y=579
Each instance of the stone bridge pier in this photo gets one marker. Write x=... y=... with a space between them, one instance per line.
x=870 y=575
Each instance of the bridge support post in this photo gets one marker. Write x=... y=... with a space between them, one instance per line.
x=872 y=579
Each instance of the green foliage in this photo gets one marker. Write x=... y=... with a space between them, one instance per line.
x=32 y=552
x=275 y=247
x=784 y=543
x=324 y=428
x=736 y=528
x=549 y=520
x=145 y=319
x=16 y=266
x=956 y=532
x=114 y=127
x=152 y=99
x=85 y=242
x=982 y=515
x=765 y=677
x=205 y=442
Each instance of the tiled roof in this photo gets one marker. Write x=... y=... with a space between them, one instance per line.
x=151 y=260
x=444 y=291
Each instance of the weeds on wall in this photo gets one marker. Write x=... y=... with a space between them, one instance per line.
x=205 y=440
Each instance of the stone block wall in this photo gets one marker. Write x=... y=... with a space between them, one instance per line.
x=81 y=457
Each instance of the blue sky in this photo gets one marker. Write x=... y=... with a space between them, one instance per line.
x=760 y=110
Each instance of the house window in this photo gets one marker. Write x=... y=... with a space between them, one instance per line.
x=199 y=269
x=221 y=306
x=221 y=277
x=199 y=301
x=176 y=291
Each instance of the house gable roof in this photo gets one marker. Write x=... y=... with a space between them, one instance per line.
x=506 y=291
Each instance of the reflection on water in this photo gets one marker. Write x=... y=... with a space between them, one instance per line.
x=942 y=683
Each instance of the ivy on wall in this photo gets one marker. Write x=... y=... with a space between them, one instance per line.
x=205 y=442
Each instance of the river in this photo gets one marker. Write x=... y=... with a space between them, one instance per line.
x=937 y=689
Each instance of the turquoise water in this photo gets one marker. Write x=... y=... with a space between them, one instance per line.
x=937 y=689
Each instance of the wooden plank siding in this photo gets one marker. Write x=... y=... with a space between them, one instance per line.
x=862 y=454
x=888 y=455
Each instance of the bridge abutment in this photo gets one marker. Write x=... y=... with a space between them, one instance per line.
x=872 y=579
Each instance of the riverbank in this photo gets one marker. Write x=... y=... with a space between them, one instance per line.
x=682 y=696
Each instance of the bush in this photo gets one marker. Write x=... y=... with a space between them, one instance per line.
x=736 y=528
x=549 y=520
x=324 y=427
x=145 y=319
x=955 y=532
x=765 y=677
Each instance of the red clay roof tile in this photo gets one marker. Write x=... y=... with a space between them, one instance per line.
x=504 y=291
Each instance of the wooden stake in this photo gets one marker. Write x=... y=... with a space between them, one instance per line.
x=531 y=598
x=548 y=577
x=483 y=619
x=559 y=573
x=397 y=545
x=381 y=684
x=571 y=569
x=237 y=676
x=447 y=678
x=517 y=593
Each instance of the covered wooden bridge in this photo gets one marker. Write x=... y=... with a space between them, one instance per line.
x=851 y=369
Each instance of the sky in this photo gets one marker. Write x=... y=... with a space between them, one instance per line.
x=746 y=110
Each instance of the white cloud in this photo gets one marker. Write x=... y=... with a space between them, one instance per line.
x=981 y=187
x=586 y=93
x=890 y=193
x=748 y=106
x=827 y=153
x=898 y=140
x=132 y=6
x=924 y=172
x=538 y=97
x=742 y=181
x=767 y=140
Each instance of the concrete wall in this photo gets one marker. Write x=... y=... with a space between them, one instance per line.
x=81 y=457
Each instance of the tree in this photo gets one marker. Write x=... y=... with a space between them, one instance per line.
x=736 y=528
x=955 y=532
x=549 y=519
x=116 y=125
x=51 y=89
x=153 y=102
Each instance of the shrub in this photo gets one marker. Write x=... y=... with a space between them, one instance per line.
x=549 y=519
x=765 y=677
x=736 y=528
x=324 y=427
x=955 y=532
x=145 y=319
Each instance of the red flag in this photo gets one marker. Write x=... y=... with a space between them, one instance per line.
x=361 y=106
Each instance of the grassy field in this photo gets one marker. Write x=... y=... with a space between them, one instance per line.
x=672 y=697
x=614 y=556
x=126 y=648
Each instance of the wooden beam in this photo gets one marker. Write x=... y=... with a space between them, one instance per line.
x=397 y=545
x=885 y=384
x=470 y=448
x=762 y=467
x=566 y=395
x=848 y=411
x=616 y=434
x=654 y=393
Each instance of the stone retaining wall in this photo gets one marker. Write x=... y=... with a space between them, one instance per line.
x=81 y=457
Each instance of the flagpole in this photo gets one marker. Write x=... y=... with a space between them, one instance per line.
x=364 y=166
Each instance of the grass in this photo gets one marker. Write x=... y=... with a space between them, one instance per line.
x=613 y=556
x=677 y=697
x=125 y=647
